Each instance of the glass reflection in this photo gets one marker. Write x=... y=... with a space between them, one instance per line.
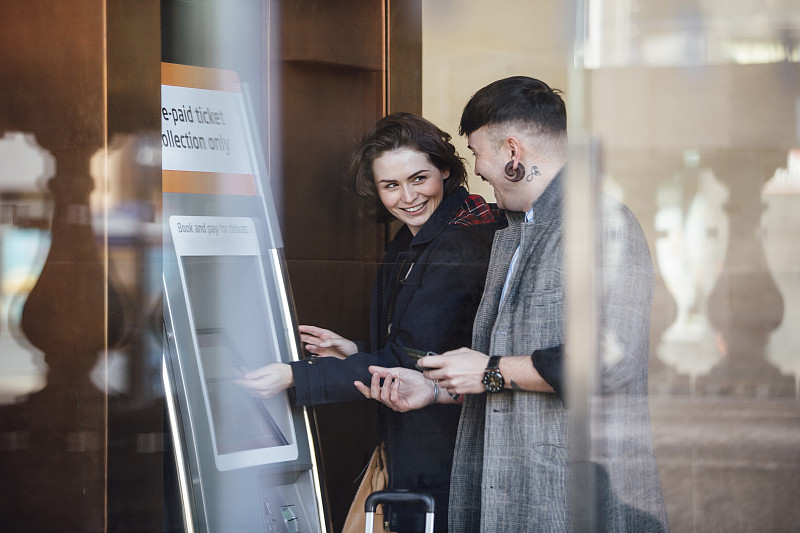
x=697 y=108
x=779 y=229
x=71 y=316
x=23 y=246
x=695 y=103
x=692 y=249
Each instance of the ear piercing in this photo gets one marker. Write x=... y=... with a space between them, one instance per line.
x=513 y=174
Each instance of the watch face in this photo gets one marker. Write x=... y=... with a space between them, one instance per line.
x=493 y=380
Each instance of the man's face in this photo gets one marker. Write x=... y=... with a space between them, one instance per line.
x=491 y=157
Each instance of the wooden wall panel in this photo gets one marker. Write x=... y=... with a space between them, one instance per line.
x=332 y=93
x=334 y=89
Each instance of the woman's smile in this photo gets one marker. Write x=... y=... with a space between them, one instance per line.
x=415 y=208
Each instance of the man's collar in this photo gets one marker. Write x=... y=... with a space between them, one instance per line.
x=548 y=205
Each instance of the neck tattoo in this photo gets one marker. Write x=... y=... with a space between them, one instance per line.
x=534 y=172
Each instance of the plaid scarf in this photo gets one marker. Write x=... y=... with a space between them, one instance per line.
x=474 y=210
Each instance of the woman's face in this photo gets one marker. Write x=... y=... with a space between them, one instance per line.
x=409 y=185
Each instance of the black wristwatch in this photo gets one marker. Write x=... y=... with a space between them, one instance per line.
x=492 y=378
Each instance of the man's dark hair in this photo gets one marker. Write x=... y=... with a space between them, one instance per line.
x=521 y=100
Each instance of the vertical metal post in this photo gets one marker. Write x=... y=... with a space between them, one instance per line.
x=582 y=316
x=582 y=272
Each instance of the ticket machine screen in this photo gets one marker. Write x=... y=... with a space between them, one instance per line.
x=235 y=332
x=241 y=421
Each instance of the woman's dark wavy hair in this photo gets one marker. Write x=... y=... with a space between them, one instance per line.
x=517 y=100
x=402 y=130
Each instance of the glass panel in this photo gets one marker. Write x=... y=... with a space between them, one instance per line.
x=695 y=106
x=688 y=113
x=80 y=414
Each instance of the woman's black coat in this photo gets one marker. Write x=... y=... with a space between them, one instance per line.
x=438 y=277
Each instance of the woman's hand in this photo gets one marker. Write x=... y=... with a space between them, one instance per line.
x=403 y=389
x=326 y=343
x=267 y=381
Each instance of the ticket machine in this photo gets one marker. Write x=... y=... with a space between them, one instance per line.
x=244 y=463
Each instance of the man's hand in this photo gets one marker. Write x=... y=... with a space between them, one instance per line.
x=326 y=343
x=267 y=381
x=403 y=389
x=458 y=371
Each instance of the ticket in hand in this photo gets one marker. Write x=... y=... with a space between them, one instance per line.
x=416 y=354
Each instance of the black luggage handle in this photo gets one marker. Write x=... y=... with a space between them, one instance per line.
x=398 y=496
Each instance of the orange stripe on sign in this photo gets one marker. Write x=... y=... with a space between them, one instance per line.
x=207 y=183
x=199 y=78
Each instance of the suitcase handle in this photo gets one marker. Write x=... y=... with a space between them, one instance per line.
x=398 y=496
x=402 y=497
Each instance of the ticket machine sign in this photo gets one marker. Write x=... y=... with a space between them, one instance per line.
x=245 y=463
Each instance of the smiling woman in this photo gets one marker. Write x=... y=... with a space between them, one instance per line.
x=424 y=299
